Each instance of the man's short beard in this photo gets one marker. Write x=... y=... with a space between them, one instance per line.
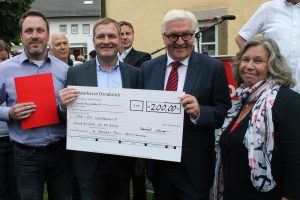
x=35 y=53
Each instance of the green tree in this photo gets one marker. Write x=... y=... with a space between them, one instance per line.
x=10 y=14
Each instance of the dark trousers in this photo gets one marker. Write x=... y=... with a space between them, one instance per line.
x=139 y=187
x=8 y=189
x=110 y=181
x=36 y=166
x=171 y=182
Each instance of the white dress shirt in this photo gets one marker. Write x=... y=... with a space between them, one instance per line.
x=279 y=20
x=123 y=55
x=182 y=69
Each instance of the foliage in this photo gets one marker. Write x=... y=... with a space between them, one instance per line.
x=10 y=14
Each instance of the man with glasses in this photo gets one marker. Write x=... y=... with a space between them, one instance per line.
x=205 y=100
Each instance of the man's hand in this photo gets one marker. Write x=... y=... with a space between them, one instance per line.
x=67 y=96
x=21 y=111
x=190 y=105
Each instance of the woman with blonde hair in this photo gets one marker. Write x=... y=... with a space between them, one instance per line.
x=258 y=149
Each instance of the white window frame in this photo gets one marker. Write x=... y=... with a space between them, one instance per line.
x=61 y=26
x=73 y=30
x=216 y=42
x=86 y=31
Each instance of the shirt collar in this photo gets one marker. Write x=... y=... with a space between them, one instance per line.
x=24 y=57
x=100 y=68
x=125 y=53
x=184 y=62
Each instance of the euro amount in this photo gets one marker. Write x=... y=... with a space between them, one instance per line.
x=163 y=107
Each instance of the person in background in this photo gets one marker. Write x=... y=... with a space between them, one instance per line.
x=127 y=53
x=8 y=189
x=4 y=52
x=15 y=53
x=92 y=55
x=74 y=61
x=280 y=21
x=258 y=149
x=81 y=58
x=205 y=101
x=101 y=176
x=40 y=155
x=59 y=47
x=135 y=58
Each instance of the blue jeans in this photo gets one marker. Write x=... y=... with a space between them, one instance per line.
x=8 y=189
x=36 y=166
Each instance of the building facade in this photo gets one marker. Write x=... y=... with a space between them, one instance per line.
x=146 y=17
x=74 y=18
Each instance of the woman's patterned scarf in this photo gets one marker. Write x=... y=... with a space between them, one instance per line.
x=259 y=137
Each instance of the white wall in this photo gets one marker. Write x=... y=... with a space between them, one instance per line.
x=75 y=40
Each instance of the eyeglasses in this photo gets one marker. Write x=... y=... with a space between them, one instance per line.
x=175 y=37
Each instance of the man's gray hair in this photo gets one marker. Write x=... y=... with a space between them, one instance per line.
x=177 y=15
x=50 y=43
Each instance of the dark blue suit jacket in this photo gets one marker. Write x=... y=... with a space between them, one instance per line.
x=136 y=58
x=206 y=80
x=85 y=163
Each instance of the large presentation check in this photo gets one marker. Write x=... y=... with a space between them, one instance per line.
x=129 y=122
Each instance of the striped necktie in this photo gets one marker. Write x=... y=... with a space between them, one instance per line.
x=173 y=77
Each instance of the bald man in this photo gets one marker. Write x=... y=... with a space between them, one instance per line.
x=59 y=47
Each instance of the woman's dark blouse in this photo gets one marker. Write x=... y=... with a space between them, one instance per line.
x=286 y=154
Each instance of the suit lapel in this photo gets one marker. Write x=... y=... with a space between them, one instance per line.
x=130 y=56
x=194 y=69
x=91 y=74
x=160 y=71
x=124 y=76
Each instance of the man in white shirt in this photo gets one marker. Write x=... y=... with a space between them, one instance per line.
x=279 y=20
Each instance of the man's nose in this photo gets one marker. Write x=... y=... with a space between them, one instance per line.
x=180 y=41
x=34 y=34
x=106 y=39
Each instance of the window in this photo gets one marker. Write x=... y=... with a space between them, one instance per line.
x=213 y=40
x=63 y=28
x=208 y=41
x=87 y=2
x=74 y=28
x=85 y=28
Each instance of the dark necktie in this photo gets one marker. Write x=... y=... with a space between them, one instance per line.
x=173 y=77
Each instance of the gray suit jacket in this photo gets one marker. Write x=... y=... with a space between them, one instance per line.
x=85 y=163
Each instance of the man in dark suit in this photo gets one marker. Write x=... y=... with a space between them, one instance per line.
x=206 y=101
x=127 y=53
x=135 y=58
x=102 y=176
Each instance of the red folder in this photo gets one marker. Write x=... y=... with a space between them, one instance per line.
x=38 y=89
